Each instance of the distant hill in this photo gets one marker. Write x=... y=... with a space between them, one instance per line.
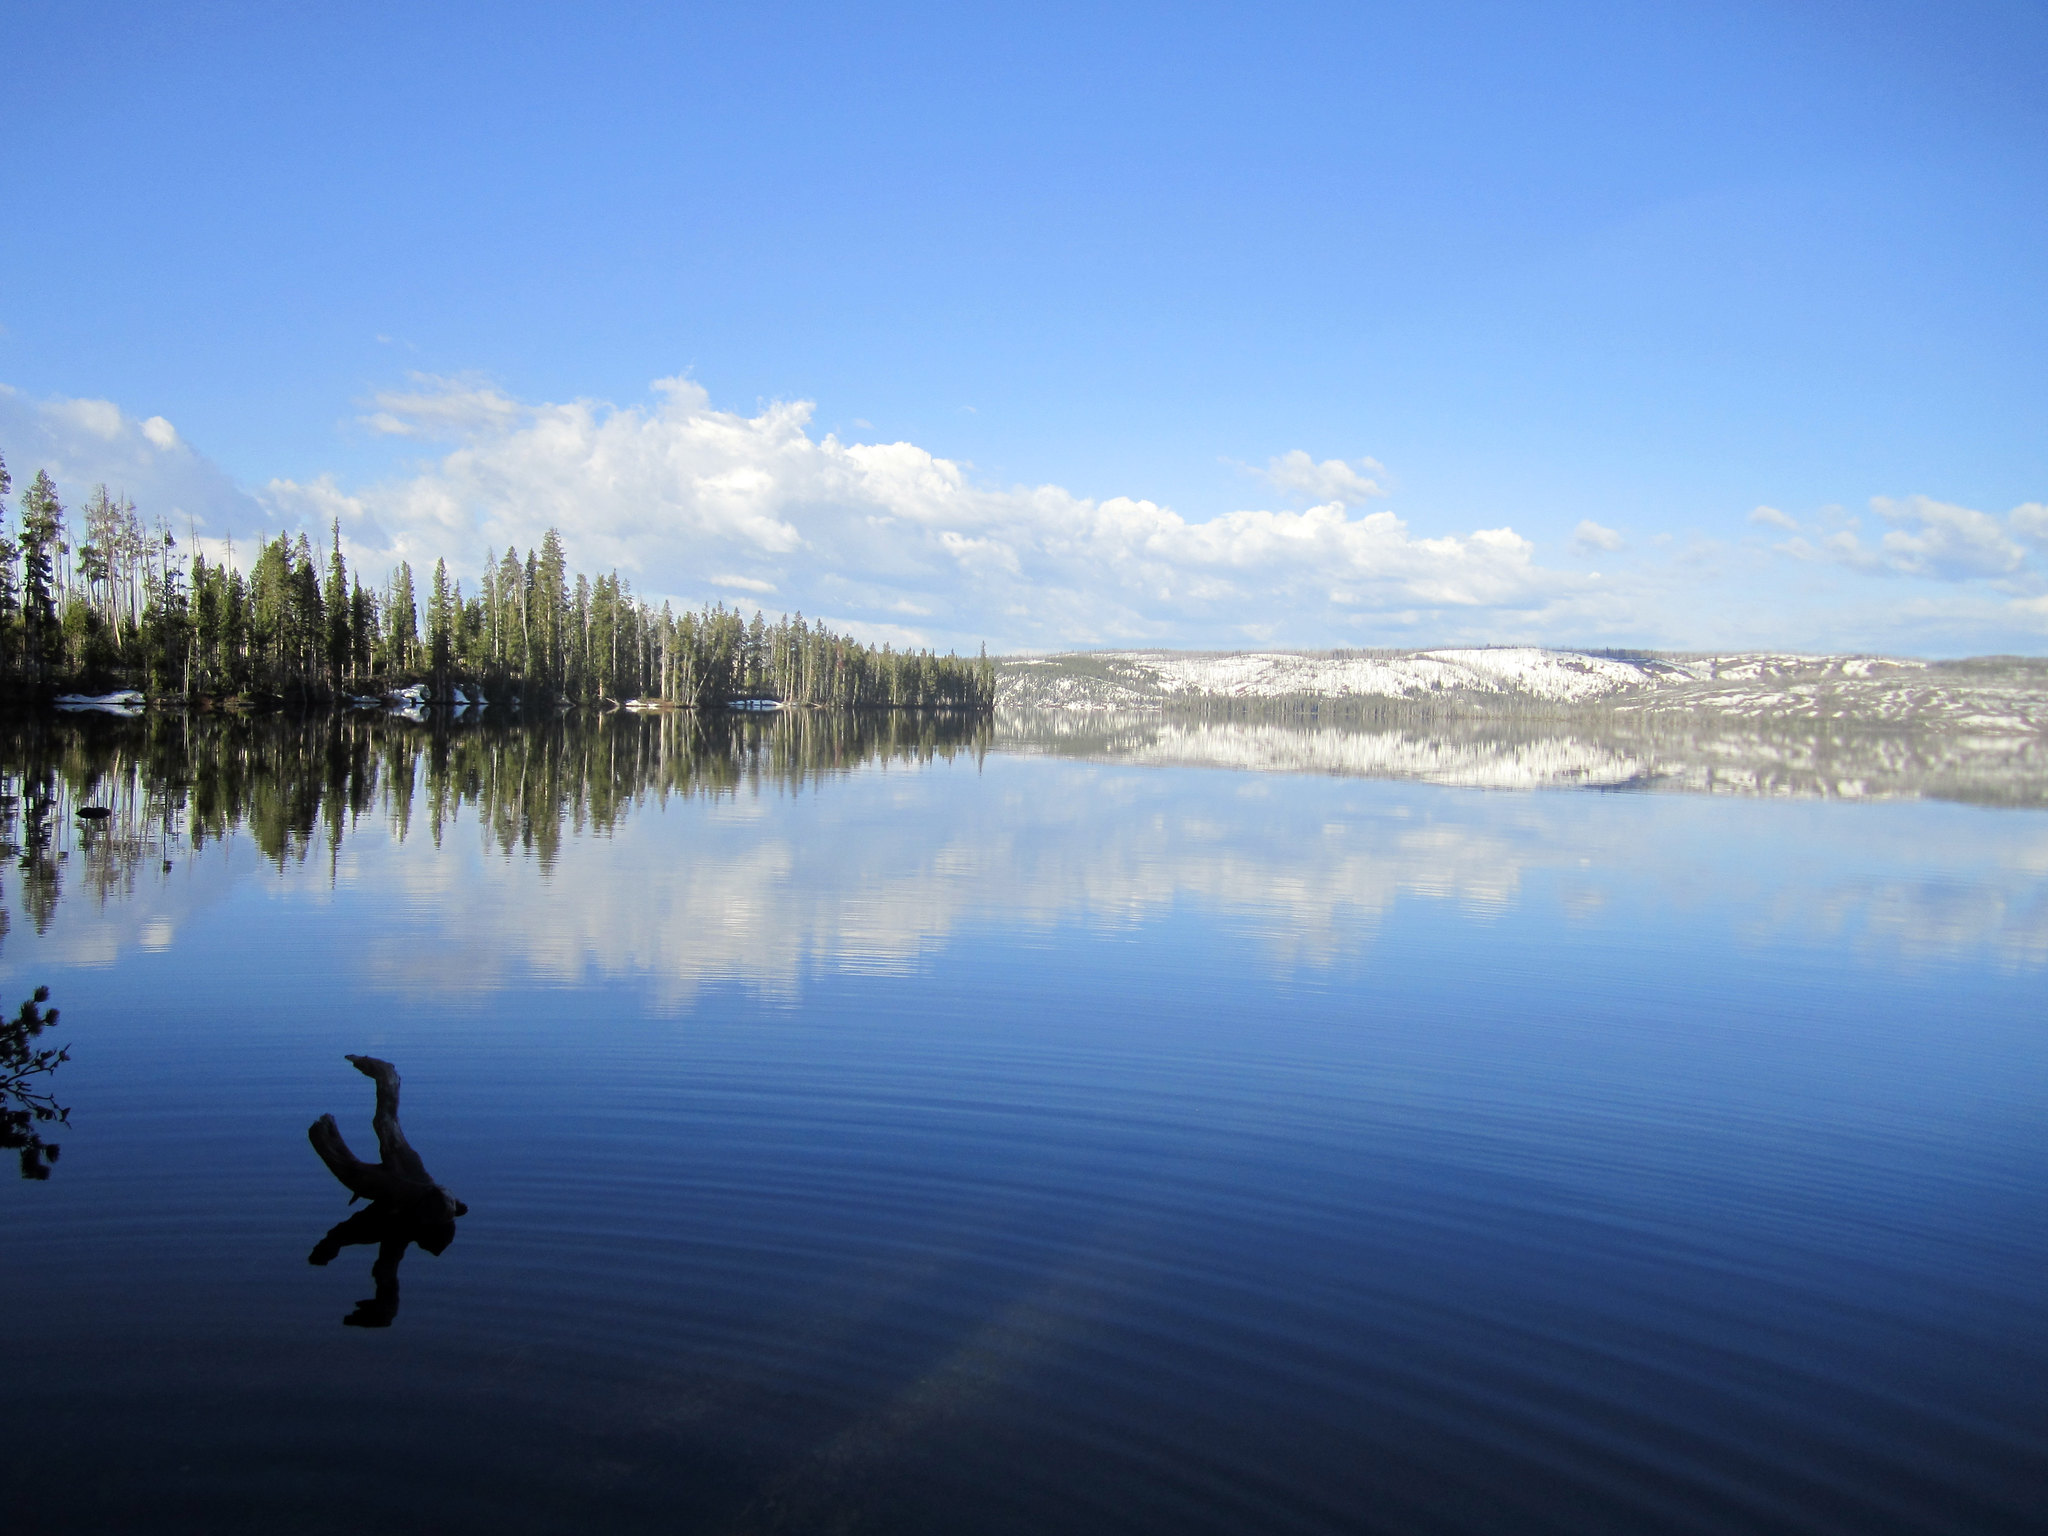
x=1993 y=695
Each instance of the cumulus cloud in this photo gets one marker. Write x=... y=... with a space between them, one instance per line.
x=1332 y=480
x=890 y=541
x=1934 y=538
x=83 y=443
x=100 y=418
x=1590 y=536
x=686 y=499
x=1844 y=547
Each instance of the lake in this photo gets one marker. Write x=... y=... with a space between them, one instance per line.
x=904 y=1125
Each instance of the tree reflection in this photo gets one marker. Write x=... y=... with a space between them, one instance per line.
x=172 y=784
x=23 y=1105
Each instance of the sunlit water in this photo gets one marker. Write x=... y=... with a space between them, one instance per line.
x=869 y=1128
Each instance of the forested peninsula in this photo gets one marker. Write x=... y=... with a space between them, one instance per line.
x=108 y=604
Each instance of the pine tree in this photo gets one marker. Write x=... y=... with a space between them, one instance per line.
x=551 y=601
x=207 y=593
x=439 y=617
x=579 y=640
x=166 y=615
x=362 y=628
x=10 y=552
x=308 y=614
x=42 y=534
x=401 y=620
x=340 y=638
x=269 y=610
x=512 y=613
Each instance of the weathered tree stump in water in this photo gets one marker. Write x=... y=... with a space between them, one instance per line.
x=400 y=1178
x=406 y=1205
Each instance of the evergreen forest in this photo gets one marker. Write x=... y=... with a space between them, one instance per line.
x=95 y=600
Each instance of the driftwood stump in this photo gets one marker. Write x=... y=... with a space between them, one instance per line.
x=400 y=1177
x=406 y=1205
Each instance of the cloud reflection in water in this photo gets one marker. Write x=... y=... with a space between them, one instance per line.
x=751 y=854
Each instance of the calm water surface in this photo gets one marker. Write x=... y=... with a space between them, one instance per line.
x=867 y=1130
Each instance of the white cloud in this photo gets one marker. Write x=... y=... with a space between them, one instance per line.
x=869 y=632
x=1934 y=538
x=1332 y=480
x=1843 y=547
x=1589 y=536
x=1771 y=517
x=886 y=539
x=83 y=443
x=101 y=418
x=676 y=490
x=441 y=408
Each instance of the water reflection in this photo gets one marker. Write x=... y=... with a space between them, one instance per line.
x=172 y=784
x=406 y=1205
x=392 y=1232
x=1594 y=749
x=24 y=1105
x=510 y=854
x=1220 y=1134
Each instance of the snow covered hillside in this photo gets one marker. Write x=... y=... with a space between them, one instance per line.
x=1997 y=694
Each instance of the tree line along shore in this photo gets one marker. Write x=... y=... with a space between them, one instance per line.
x=119 y=607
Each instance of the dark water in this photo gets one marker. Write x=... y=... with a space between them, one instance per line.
x=865 y=1129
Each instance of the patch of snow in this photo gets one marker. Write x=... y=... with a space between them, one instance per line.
x=1543 y=763
x=1526 y=670
x=1999 y=694
x=122 y=701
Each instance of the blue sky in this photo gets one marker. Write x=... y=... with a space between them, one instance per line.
x=1192 y=325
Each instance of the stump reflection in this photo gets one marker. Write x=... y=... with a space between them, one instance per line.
x=392 y=1230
